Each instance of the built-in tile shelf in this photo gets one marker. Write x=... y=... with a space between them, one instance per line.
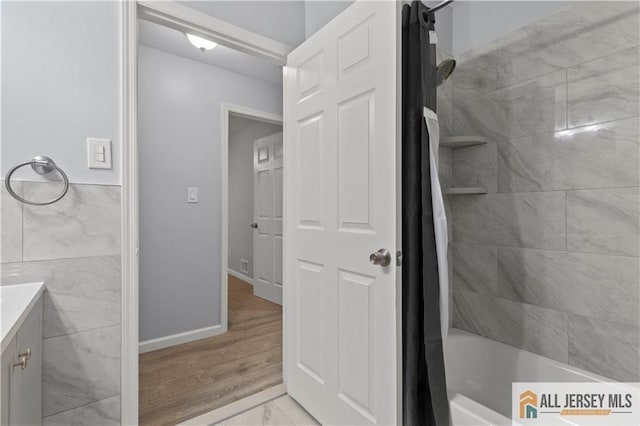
x=465 y=190
x=463 y=141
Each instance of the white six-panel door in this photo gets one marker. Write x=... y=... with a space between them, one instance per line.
x=340 y=155
x=268 y=213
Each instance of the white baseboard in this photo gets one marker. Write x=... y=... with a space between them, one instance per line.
x=177 y=339
x=240 y=276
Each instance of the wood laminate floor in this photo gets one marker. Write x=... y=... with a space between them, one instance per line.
x=187 y=380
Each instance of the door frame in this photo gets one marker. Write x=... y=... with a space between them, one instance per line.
x=183 y=18
x=226 y=111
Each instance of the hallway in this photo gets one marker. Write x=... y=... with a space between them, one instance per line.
x=187 y=380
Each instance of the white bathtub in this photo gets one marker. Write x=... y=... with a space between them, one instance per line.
x=480 y=372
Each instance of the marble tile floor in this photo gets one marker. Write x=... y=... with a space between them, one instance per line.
x=280 y=411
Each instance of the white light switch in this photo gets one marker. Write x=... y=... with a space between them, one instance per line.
x=99 y=153
x=192 y=195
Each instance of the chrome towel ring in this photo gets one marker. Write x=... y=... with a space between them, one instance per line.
x=41 y=165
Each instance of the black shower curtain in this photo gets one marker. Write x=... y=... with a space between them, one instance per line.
x=425 y=401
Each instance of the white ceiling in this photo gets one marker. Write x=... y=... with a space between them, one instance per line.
x=173 y=41
x=239 y=122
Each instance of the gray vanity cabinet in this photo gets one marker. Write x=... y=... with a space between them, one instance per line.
x=8 y=357
x=21 y=376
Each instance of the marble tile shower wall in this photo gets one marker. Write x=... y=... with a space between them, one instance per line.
x=548 y=261
x=74 y=246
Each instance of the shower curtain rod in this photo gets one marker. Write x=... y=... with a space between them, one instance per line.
x=440 y=6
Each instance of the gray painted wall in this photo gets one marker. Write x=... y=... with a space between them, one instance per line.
x=179 y=134
x=60 y=85
x=242 y=133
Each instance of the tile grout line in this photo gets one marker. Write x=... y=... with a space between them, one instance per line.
x=566 y=98
x=544 y=132
x=81 y=331
x=566 y=224
x=83 y=405
x=22 y=223
x=497 y=64
x=543 y=191
x=529 y=79
x=567 y=313
x=64 y=258
x=543 y=249
x=500 y=314
x=46 y=182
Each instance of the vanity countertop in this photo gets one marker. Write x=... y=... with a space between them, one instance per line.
x=16 y=302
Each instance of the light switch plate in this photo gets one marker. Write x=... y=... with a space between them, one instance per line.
x=99 y=153
x=192 y=195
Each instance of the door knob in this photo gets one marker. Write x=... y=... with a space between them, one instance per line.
x=254 y=225
x=382 y=257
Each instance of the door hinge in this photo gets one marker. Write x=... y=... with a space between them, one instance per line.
x=399 y=258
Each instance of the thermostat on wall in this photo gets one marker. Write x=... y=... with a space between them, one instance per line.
x=99 y=153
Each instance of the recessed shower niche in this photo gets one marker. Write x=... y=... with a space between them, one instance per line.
x=458 y=142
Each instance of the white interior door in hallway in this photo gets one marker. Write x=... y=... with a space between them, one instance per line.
x=268 y=208
x=341 y=148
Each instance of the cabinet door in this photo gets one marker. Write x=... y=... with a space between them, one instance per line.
x=8 y=357
x=26 y=385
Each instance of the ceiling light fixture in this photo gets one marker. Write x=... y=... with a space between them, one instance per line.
x=201 y=43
